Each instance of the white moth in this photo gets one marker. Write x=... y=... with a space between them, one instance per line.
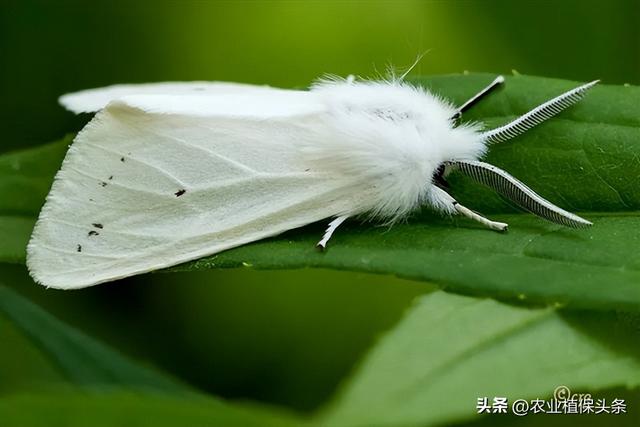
x=171 y=172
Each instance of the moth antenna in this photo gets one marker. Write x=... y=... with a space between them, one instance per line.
x=514 y=190
x=537 y=115
x=477 y=97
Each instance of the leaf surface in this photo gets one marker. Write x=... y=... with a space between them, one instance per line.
x=72 y=409
x=83 y=361
x=450 y=350
x=54 y=375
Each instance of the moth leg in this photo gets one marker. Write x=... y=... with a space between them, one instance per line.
x=322 y=244
x=464 y=211
x=494 y=225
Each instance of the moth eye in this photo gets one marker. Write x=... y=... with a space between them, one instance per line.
x=438 y=177
x=456 y=119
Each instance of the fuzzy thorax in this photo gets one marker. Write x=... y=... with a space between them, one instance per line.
x=390 y=138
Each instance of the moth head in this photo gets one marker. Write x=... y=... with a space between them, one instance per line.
x=500 y=180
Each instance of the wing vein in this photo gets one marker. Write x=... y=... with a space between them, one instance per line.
x=117 y=184
x=103 y=231
x=172 y=177
x=84 y=254
x=230 y=161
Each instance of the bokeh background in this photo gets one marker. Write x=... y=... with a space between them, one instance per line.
x=284 y=337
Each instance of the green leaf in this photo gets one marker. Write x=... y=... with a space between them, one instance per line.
x=14 y=235
x=25 y=179
x=586 y=160
x=127 y=409
x=535 y=261
x=53 y=375
x=84 y=361
x=26 y=176
x=450 y=350
x=23 y=366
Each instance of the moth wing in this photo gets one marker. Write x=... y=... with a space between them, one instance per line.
x=141 y=190
x=92 y=100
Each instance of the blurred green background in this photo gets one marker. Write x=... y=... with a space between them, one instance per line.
x=285 y=337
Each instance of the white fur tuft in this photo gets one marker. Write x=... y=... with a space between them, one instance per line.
x=390 y=137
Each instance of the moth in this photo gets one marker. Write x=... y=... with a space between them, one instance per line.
x=170 y=172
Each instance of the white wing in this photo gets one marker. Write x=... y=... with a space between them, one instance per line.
x=154 y=181
x=92 y=100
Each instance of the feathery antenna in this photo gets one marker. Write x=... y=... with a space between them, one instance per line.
x=516 y=191
x=537 y=115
